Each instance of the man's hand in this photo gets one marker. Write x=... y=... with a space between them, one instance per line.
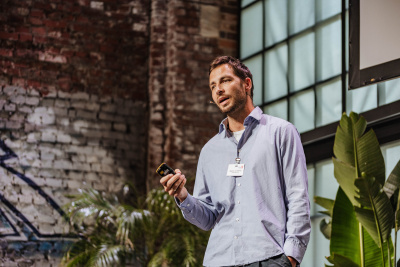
x=292 y=261
x=175 y=185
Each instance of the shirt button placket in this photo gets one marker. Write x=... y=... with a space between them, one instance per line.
x=237 y=217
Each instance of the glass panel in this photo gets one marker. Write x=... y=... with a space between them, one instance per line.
x=362 y=99
x=326 y=9
x=251 y=37
x=246 y=2
x=276 y=66
x=329 y=102
x=318 y=247
x=302 y=110
x=325 y=182
x=277 y=109
x=311 y=187
x=301 y=61
x=255 y=66
x=301 y=15
x=329 y=50
x=389 y=92
x=391 y=153
x=347 y=41
x=275 y=21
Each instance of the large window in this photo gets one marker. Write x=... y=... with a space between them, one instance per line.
x=297 y=51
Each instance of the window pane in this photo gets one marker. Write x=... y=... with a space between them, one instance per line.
x=276 y=66
x=389 y=92
x=325 y=182
x=362 y=99
x=246 y=2
x=277 y=109
x=391 y=153
x=326 y=9
x=251 y=30
x=318 y=247
x=311 y=187
x=302 y=110
x=302 y=58
x=255 y=66
x=347 y=41
x=329 y=50
x=301 y=15
x=275 y=21
x=329 y=102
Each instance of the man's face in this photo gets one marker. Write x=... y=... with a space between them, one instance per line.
x=228 y=90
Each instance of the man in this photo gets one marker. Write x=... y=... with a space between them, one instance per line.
x=251 y=181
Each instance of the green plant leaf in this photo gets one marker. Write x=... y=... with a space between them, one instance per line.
x=341 y=261
x=343 y=147
x=370 y=158
x=326 y=228
x=345 y=231
x=345 y=175
x=372 y=253
x=325 y=203
x=375 y=213
x=393 y=182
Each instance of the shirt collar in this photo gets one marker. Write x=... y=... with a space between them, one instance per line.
x=254 y=116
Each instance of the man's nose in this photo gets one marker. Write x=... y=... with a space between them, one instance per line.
x=219 y=90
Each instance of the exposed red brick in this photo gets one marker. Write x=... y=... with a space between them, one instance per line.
x=9 y=36
x=39 y=31
x=6 y=52
x=24 y=37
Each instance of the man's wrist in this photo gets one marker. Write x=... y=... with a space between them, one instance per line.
x=292 y=261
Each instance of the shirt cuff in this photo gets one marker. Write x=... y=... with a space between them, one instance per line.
x=187 y=205
x=294 y=249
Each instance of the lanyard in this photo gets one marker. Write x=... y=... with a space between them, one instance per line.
x=237 y=157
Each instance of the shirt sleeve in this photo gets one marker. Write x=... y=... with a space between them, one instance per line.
x=199 y=209
x=298 y=226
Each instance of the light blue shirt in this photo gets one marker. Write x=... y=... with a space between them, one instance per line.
x=261 y=214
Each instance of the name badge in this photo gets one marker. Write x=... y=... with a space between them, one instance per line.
x=235 y=170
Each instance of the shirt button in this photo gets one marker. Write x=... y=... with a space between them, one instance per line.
x=238 y=184
x=237 y=219
x=238 y=202
x=235 y=237
x=188 y=205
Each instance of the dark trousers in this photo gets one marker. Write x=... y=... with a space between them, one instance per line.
x=277 y=261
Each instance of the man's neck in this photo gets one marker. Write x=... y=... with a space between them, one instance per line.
x=236 y=121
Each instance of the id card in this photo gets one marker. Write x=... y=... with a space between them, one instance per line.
x=235 y=170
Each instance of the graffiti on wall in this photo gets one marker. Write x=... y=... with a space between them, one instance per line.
x=18 y=233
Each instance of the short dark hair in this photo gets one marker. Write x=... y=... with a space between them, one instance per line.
x=240 y=70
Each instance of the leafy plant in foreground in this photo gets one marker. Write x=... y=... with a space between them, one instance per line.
x=366 y=207
x=151 y=232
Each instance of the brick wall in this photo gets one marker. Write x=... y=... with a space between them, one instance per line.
x=185 y=37
x=73 y=114
x=94 y=93
x=53 y=146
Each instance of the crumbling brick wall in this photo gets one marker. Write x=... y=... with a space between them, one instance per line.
x=94 y=93
x=73 y=114
x=185 y=36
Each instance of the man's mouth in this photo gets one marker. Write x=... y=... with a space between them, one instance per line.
x=222 y=100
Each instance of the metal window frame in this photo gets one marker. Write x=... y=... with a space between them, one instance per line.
x=318 y=143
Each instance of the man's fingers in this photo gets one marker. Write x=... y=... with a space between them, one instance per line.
x=164 y=179
x=179 y=189
x=180 y=182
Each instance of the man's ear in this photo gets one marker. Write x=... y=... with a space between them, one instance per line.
x=248 y=84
